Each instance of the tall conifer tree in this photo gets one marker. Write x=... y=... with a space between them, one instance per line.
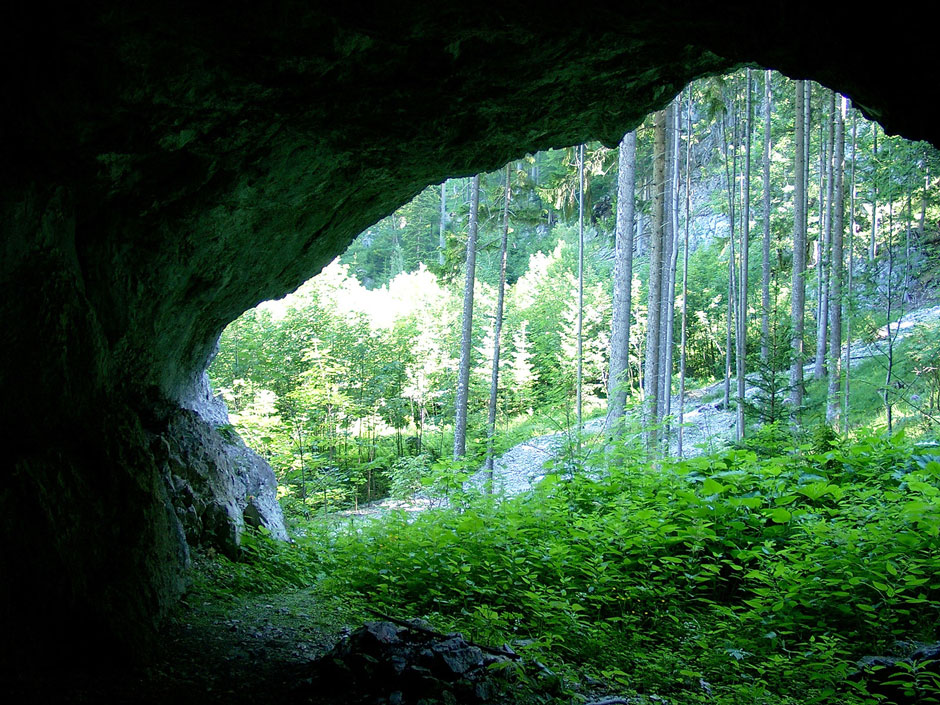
x=466 y=338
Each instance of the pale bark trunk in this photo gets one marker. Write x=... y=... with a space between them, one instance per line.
x=765 y=253
x=889 y=367
x=825 y=214
x=497 y=331
x=669 y=311
x=463 y=377
x=798 y=285
x=835 y=274
x=685 y=273
x=442 y=239
x=580 y=327
x=655 y=281
x=922 y=221
x=623 y=279
x=907 y=245
x=807 y=122
x=847 y=366
x=873 y=248
x=667 y=259
x=741 y=352
x=731 y=326
x=729 y=337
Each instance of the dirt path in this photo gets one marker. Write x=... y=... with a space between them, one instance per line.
x=245 y=651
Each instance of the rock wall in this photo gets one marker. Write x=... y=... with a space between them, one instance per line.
x=217 y=484
x=168 y=166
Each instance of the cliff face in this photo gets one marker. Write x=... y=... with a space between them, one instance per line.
x=165 y=170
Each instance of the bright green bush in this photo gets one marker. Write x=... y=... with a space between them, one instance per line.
x=766 y=577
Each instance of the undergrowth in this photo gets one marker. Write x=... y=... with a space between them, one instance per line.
x=727 y=579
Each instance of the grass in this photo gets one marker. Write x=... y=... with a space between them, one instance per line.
x=914 y=384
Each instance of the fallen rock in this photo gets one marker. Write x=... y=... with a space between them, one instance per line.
x=910 y=680
x=382 y=663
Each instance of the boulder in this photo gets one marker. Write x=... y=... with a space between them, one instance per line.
x=384 y=663
x=217 y=484
x=907 y=680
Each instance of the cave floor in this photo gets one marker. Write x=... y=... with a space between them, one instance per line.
x=253 y=649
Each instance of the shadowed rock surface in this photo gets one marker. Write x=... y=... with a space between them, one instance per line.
x=168 y=167
x=382 y=663
x=218 y=484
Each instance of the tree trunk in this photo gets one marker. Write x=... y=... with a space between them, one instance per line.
x=889 y=367
x=497 y=330
x=623 y=280
x=580 y=326
x=922 y=221
x=466 y=338
x=807 y=122
x=835 y=273
x=669 y=297
x=765 y=258
x=798 y=286
x=685 y=274
x=873 y=249
x=730 y=181
x=907 y=245
x=654 y=301
x=729 y=324
x=847 y=366
x=825 y=245
x=741 y=349
x=442 y=239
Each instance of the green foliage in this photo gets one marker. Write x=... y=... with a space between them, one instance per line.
x=357 y=368
x=764 y=571
x=766 y=577
x=915 y=388
x=769 y=440
x=407 y=475
x=264 y=565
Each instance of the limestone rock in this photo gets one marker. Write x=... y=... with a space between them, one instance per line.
x=218 y=484
x=908 y=680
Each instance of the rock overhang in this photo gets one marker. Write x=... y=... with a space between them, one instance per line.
x=169 y=167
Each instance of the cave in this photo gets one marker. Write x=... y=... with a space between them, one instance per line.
x=167 y=168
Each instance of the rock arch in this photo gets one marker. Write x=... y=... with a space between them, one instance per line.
x=167 y=168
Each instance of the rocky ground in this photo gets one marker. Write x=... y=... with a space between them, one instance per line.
x=256 y=649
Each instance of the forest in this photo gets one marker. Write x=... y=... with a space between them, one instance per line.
x=757 y=253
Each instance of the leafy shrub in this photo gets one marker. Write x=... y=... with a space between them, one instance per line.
x=264 y=565
x=764 y=577
x=406 y=474
x=769 y=440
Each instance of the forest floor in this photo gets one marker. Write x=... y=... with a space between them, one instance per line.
x=244 y=649
x=708 y=426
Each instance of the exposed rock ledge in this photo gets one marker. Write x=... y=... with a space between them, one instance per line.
x=217 y=484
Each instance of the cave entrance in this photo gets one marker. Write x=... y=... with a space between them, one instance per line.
x=168 y=169
x=347 y=386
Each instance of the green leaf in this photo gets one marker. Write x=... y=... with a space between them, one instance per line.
x=780 y=515
x=713 y=487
